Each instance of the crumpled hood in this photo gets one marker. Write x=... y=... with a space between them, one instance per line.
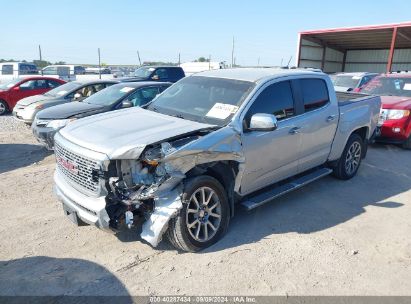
x=124 y=134
x=32 y=99
x=70 y=109
x=395 y=102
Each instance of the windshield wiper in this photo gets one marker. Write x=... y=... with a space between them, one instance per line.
x=178 y=116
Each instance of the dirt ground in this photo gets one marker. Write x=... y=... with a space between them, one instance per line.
x=329 y=238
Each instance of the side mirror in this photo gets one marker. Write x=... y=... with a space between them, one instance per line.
x=126 y=104
x=155 y=77
x=77 y=96
x=350 y=89
x=263 y=122
x=16 y=89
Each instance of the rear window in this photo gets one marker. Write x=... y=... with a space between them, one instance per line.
x=389 y=86
x=7 y=69
x=27 y=69
x=315 y=94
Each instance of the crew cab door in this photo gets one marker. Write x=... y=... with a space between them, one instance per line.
x=271 y=155
x=319 y=121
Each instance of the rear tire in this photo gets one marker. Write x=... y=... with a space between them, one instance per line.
x=4 y=108
x=407 y=144
x=350 y=160
x=204 y=218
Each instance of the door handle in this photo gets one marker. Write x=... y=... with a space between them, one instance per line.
x=330 y=118
x=295 y=130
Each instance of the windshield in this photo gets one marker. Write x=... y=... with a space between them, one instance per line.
x=110 y=95
x=345 y=81
x=8 y=84
x=63 y=89
x=144 y=72
x=389 y=86
x=203 y=99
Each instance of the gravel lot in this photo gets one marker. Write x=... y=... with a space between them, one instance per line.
x=329 y=238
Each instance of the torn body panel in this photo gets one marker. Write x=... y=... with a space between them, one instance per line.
x=159 y=173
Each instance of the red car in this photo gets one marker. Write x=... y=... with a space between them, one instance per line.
x=14 y=90
x=394 y=125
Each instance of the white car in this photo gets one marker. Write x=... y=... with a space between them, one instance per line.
x=346 y=82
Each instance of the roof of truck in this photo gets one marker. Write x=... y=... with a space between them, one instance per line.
x=359 y=74
x=254 y=74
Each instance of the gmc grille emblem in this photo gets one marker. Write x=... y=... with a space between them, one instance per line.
x=68 y=165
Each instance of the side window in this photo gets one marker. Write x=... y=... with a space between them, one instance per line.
x=50 y=71
x=53 y=84
x=87 y=91
x=41 y=84
x=27 y=69
x=63 y=71
x=162 y=74
x=163 y=88
x=315 y=94
x=101 y=86
x=143 y=96
x=28 y=85
x=7 y=69
x=276 y=99
x=365 y=80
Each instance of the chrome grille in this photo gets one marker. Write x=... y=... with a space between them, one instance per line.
x=79 y=170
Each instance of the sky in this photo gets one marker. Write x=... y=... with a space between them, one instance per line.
x=264 y=31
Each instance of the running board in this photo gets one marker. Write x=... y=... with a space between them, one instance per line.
x=269 y=195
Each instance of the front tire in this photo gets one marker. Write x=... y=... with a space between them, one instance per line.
x=350 y=160
x=204 y=218
x=4 y=108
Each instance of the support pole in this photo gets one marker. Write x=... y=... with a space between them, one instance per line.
x=344 y=61
x=323 y=58
x=99 y=64
x=40 y=60
x=392 y=49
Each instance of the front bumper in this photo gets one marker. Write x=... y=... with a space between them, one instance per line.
x=45 y=136
x=90 y=210
x=24 y=115
x=393 y=131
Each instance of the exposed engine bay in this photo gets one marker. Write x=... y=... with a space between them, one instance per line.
x=140 y=186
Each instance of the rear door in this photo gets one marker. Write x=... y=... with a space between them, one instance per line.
x=319 y=122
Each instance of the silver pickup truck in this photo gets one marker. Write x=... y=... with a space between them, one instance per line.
x=210 y=143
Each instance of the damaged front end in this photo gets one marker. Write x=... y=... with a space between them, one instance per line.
x=151 y=186
x=147 y=187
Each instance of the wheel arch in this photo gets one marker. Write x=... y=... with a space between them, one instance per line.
x=223 y=171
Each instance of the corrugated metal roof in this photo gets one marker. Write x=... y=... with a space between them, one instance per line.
x=364 y=37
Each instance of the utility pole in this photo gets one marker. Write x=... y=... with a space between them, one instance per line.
x=209 y=62
x=40 y=59
x=258 y=62
x=139 y=60
x=179 y=59
x=99 y=64
x=288 y=64
x=232 y=55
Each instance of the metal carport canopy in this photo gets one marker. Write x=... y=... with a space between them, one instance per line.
x=388 y=36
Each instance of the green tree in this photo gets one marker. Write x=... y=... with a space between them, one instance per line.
x=41 y=63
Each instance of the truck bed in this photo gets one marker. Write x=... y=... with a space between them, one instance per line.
x=345 y=98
